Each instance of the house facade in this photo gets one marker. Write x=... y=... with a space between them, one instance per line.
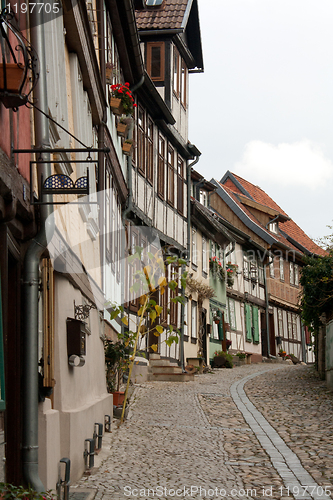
x=276 y=263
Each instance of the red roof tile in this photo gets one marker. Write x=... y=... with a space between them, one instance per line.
x=169 y=15
x=258 y=194
x=289 y=227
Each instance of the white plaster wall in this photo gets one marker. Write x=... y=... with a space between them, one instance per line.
x=80 y=394
x=49 y=453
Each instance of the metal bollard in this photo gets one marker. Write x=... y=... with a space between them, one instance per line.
x=99 y=435
x=90 y=453
x=107 y=423
x=64 y=483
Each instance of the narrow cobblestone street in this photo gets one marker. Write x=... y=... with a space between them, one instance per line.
x=256 y=431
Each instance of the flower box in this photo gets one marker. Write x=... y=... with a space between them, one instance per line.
x=116 y=106
x=14 y=77
x=127 y=148
x=122 y=129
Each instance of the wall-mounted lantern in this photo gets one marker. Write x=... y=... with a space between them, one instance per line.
x=19 y=65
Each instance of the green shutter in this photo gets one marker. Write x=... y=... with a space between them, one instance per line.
x=255 y=321
x=248 y=322
x=220 y=325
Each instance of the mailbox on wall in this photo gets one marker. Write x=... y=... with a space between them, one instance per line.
x=76 y=337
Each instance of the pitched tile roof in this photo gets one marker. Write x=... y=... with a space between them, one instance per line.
x=288 y=228
x=169 y=15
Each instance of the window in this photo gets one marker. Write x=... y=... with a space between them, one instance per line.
x=203 y=197
x=204 y=258
x=194 y=247
x=194 y=320
x=280 y=323
x=150 y=151
x=183 y=83
x=293 y=274
x=180 y=185
x=271 y=269
x=232 y=313
x=160 y=175
x=261 y=274
x=141 y=140
x=273 y=227
x=186 y=321
x=281 y=269
x=155 y=60
x=171 y=176
x=290 y=325
x=246 y=267
x=176 y=65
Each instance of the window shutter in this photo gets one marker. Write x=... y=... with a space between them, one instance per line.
x=220 y=325
x=255 y=320
x=248 y=322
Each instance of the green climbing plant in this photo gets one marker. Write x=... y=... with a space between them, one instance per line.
x=317 y=289
x=150 y=283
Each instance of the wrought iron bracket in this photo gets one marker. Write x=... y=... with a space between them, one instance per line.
x=82 y=312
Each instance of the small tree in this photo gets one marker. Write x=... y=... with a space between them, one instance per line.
x=147 y=282
x=317 y=294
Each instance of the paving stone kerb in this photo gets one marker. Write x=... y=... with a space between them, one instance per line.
x=191 y=440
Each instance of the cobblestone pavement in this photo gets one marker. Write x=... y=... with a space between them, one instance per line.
x=211 y=439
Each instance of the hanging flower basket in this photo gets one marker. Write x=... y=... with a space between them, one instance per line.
x=122 y=129
x=231 y=272
x=116 y=106
x=216 y=268
x=123 y=94
x=127 y=148
x=14 y=77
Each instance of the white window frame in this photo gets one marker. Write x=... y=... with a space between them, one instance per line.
x=194 y=319
x=281 y=269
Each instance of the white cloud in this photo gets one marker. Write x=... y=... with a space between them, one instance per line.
x=301 y=163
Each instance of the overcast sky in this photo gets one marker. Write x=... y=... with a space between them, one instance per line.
x=263 y=108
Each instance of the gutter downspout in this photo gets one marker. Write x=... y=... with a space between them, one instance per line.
x=182 y=307
x=31 y=274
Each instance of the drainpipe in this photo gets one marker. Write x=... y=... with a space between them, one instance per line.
x=197 y=154
x=31 y=275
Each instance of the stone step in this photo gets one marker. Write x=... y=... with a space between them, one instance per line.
x=159 y=362
x=154 y=356
x=164 y=369
x=170 y=377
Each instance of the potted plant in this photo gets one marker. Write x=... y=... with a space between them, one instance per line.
x=216 y=268
x=121 y=100
x=109 y=72
x=123 y=126
x=222 y=359
x=282 y=353
x=127 y=147
x=117 y=356
x=231 y=271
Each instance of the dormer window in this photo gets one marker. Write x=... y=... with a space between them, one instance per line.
x=273 y=227
x=156 y=61
x=203 y=197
